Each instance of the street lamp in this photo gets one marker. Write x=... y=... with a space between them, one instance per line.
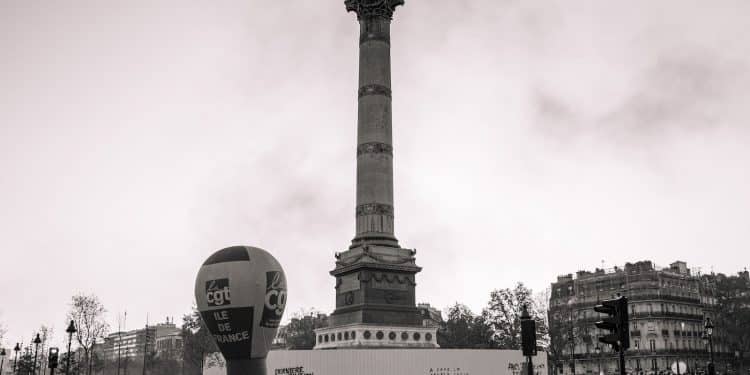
x=16 y=349
x=37 y=341
x=71 y=330
x=571 y=303
x=709 y=331
x=2 y=359
x=682 y=326
x=598 y=351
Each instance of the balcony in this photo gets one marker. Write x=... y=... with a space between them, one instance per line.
x=666 y=314
x=665 y=297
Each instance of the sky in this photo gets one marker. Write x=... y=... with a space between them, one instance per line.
x=531 y=139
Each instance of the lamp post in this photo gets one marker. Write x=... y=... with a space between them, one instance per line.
x=737 y=361
x=598 y=351
x=15 y=362
x=71 y=330
x=682 y=326
x=571 y=338
x=709 y=331
x=37 y=341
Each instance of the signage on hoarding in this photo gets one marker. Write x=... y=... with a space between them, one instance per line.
x=397 y=362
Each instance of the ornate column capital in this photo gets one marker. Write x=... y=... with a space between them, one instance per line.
x=373 y=8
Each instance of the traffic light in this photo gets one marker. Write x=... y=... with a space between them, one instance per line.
x=528 y=333
x=616 y=323
x=52 y=357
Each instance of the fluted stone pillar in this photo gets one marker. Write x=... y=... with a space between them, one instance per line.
x=375 y=277
x=374 y=211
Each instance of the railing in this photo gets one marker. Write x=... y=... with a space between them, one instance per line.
x=668 y=297
x=665 y=314
x=642 y=352
x=631 y=298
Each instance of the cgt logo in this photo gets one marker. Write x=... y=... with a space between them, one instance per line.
x=275 y=300
x=217 y=292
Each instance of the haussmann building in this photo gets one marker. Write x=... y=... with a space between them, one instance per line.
x=667 y=309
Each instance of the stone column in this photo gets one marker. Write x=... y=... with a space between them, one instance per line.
x=374 y=211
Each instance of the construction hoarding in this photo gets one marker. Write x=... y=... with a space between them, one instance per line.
x=398 y=362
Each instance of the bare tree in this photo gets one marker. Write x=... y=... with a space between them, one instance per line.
x=199 y=348
x=2 y=333
x=88 y=314
x=541 y=305
x=46 y=335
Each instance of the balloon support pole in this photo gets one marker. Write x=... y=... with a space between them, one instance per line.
x=255 y=366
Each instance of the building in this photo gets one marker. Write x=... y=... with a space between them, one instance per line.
x=129 y=344
x=667 y=311
x=168 y=340
x=375 y=276
x=431 y=317
x=162 y=339
x=279 y=342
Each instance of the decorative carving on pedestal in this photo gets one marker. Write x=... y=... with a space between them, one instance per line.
x=366 y=256
x=374 y=90
x=374 y=209
x=373 y=8
x=375 y=148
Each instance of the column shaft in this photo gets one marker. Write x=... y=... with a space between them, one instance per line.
x=374 y=213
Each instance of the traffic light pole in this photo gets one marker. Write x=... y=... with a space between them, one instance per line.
x=616 y=322
x=528 y=339
x=530 y=366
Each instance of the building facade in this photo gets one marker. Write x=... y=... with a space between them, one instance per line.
x=168 y=341
x=162 y=339
x=667 y=311
x=129 y=344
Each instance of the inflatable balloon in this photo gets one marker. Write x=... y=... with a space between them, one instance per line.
x=241 y=295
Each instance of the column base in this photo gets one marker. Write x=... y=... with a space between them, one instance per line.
x=371 y=336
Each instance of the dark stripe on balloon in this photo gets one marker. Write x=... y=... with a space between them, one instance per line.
x=230 y=254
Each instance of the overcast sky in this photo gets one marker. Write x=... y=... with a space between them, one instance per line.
x=531 y=139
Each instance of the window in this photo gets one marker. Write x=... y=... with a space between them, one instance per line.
x=637 y=364
x=653 y=364
x=652 y=345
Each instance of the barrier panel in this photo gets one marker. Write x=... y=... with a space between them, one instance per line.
x=397 y=362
